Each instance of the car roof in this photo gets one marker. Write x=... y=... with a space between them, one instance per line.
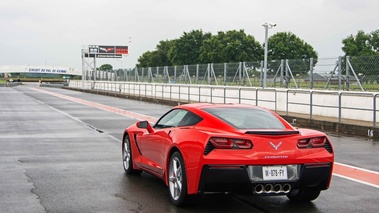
x=216 y=105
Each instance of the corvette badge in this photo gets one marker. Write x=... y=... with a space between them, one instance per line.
x=276 y=147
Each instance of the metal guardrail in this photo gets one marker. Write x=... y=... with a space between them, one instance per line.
x=340 y=107
x=338 y=104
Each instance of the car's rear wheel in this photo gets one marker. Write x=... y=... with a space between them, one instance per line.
x=127 y=159
x=303 y=195
x=177 y=180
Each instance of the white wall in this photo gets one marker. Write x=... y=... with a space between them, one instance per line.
x=351 y=105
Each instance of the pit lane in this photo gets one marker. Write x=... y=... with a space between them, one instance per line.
x=61 y=153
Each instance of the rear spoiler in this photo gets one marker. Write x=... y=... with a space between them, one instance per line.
x=260 y=132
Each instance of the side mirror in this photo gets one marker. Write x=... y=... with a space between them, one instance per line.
x=142 y=124
x=145 y=125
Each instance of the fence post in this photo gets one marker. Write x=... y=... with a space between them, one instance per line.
x=170 y=92
x=136 y=76
x=339 y=72
x=239 y=95
x=276 y=100
x=239 y=72
x=157 y=80
x=224 y=74
x=347 y=73
x=179 y=93
x=256 y=97
x=95 y=69
x=243 y=73
x=208 y=74
x=211 y=94
x=199 y=94
x=287 y=102
x=139 y=90
x=281 y=72
x=311 y=74
x=311 y=105
x=155 y=91
x=261 y=75
x=175 y=74
x=339 y=106
x=287 y=77
x=197 y=72
x=374 y=110
x=224 y=95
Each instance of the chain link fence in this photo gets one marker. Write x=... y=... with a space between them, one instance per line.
x=340 y=73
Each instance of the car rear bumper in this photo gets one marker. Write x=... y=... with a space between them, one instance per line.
x=238 y=179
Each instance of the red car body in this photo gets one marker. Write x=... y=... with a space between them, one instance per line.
x=199 y=148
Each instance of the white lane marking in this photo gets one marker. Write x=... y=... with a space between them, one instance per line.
x=355 y=180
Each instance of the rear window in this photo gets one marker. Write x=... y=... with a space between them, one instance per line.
x=177 y=117
x=247 y=118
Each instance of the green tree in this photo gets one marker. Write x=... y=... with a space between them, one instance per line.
x=158 y=57
x=231 y=46
x=186 y=50
x=361 y=44
x=146 y=59
x=163 y=49
x=105 y=67
x=286 y=45
x=363 y=49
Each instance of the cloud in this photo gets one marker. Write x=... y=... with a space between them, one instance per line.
x=54 y=31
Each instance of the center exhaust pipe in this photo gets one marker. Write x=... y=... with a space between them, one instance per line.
x=277 y=188
x=270 y=188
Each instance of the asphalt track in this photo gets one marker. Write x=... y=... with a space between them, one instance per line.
x=60 y=151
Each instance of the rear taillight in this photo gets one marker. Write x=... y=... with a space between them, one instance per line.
x=318 y=142
x=311 y=142
x=243 y=144
x=229 y=143
x=222 y=143
x=303 y=143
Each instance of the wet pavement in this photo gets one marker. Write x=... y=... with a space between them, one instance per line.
x=57 y=155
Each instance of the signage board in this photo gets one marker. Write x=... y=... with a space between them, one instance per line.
x=106 y=51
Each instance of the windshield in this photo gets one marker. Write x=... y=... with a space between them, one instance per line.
x=247 y=118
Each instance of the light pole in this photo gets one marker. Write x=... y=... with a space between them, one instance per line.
x=266 y=26
x=126 y=70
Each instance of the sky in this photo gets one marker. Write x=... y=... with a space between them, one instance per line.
x=53 y=32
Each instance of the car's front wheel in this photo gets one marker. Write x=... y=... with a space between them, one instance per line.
x=177 y=180
x=303 y=195
x=127 y=159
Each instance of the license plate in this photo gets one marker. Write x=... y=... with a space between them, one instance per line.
x=274 y=172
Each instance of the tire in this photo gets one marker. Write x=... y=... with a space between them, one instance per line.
x=177 y=180
x=303 y=195
x=127 y=159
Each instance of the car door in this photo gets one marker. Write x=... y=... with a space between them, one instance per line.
x=154 y=145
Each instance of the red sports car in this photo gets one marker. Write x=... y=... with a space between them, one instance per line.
x=200 y=148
